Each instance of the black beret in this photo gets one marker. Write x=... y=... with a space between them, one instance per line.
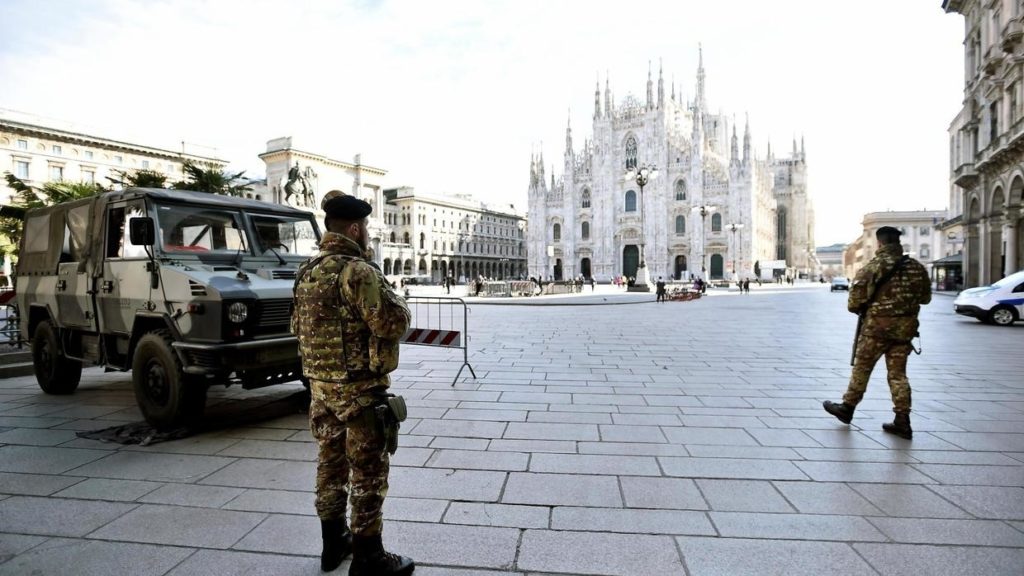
x=337 y=204
x=888 y=231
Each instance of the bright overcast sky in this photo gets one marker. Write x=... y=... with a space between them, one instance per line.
x=452 y=96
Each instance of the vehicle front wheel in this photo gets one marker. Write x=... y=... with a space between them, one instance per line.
x=55 y=373
x=1002 y=316
x=166 y=397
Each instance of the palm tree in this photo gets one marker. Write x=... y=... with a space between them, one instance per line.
x=139 y=179
x=212 y=180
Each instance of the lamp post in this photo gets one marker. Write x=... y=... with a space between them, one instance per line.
x=462 y=258
x=703 y=210
x=641 y=176
x=733 y=228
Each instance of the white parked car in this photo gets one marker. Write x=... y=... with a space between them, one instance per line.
x=1001 y=303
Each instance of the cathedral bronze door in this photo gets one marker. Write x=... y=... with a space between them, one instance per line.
x=585 y=267
x=558 y=270
x=717 y=265
x=630 y=260
x=680 y=267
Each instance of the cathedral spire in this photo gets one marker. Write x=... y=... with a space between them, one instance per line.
x=673 y=88
x=650 y=88
x=597 y=97
x=661 y=84
x=735 y=156
x=700 y=77
x=746 y=141
x=794 y=148
x=802 y=151
x=607 y=95
x=568 y=135
x=533 y=169
x=770 y=157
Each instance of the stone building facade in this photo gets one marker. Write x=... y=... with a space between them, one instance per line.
x=987 y=141
x=412 y=233
x=922 y=237
x=589 y=221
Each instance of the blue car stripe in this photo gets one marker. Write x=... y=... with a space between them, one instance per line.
x=1012 y=301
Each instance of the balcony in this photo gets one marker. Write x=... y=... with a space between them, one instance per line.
x=965 y=176
x=1013 y=31
x=993 y=59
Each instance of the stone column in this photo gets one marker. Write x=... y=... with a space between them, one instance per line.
x=1010 y=240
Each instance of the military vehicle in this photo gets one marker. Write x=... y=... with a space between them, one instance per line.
x=185 y=289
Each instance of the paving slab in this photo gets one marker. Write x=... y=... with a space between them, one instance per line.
x=986 y=501
x=595 y=464
x=743 y=496
x=562 y=490
x=795 y=526
x=268 y=474
x=92 y=558
x=192 y=495
x=964 y=532
x=35 y=484
x=631 y=521
x=598 y=553
x=508 y=515
x=974 y=475
x=900 y=559
x=882 y=473
x=232 y=563
x=826 y=498
x=742 y=557
x=479 y=460
x=662 y=493
x=274 y=501
x=45 y=460
x=473 y=485
x=57 y=516
x=156 y=467
x=454 y=545
x=107 y=489
x=180 y=526
x=739 y=468
x=908 y=501
x=13 y=544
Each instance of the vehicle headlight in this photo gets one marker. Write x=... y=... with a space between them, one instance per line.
x=238 y=312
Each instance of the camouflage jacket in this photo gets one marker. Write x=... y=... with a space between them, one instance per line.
x=347 y=318
x=893 y=313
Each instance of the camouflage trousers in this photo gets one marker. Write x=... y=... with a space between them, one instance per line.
x=352 y=463
x=869 y=350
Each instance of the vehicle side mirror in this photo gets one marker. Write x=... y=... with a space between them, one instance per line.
x=141 y=231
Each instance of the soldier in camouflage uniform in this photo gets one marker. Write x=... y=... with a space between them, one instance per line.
x=349 y=322
x=889 y=309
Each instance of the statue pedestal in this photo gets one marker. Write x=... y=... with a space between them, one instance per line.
x=643 y=281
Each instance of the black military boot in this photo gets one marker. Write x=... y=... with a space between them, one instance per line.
x=900 y=426
x=337 y=543
x=370 y=559
x=844 y=412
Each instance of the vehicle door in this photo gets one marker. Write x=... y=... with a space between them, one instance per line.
x=1017 y=298
x=123 y=286
x=74 y=290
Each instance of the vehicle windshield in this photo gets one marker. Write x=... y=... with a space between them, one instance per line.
x=200 y=230
x=285 y=235
x=1011 y=280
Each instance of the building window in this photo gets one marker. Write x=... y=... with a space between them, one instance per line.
x=88 y=154
x=145 y=164
x=716 y=222
x=993 y=123
x=680 y=190
x=680 y=225
x=423 y=240
x=406 y=239
x=556 y=232
x=586 y=198
x=56 y=150
x=22 y=144
x=630 y=201
x=585 y=230
x=631 y=153
x=925 y=251
x=1012 y=102
x=21 y=169
x=925 y=230
x=88 y=176
x=56 y=173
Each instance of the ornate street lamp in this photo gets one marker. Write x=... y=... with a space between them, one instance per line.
x=703 y=210
x=641 y=176
x=733 y=228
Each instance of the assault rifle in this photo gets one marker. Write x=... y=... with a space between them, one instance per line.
x=862 y=312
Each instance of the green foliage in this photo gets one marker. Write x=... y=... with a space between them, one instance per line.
x=139 y=179
x=212 y=180
x=26 y=197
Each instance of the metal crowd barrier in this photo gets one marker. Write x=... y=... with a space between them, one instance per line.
x=9 y=317
x=440 y=321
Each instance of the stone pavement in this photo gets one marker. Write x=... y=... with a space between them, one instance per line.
x=675 y=438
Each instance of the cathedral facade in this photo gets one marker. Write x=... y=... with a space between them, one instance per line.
x=593 y=221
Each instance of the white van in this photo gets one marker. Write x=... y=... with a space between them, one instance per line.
x=1001 y=303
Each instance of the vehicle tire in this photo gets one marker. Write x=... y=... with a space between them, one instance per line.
x=55 y=373
x=166 y=397
x=1002 y=316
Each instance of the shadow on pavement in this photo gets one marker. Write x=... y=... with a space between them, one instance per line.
x=220 y=416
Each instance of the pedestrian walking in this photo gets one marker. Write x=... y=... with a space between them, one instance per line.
x=887 y=294
x=660 y=290
x=349 y=322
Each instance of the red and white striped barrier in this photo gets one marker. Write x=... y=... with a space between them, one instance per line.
x=446 y=338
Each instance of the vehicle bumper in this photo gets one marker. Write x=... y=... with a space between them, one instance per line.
x=968 y=310
x=238 y=357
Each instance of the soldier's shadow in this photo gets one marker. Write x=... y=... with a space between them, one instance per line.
x=218 y=416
